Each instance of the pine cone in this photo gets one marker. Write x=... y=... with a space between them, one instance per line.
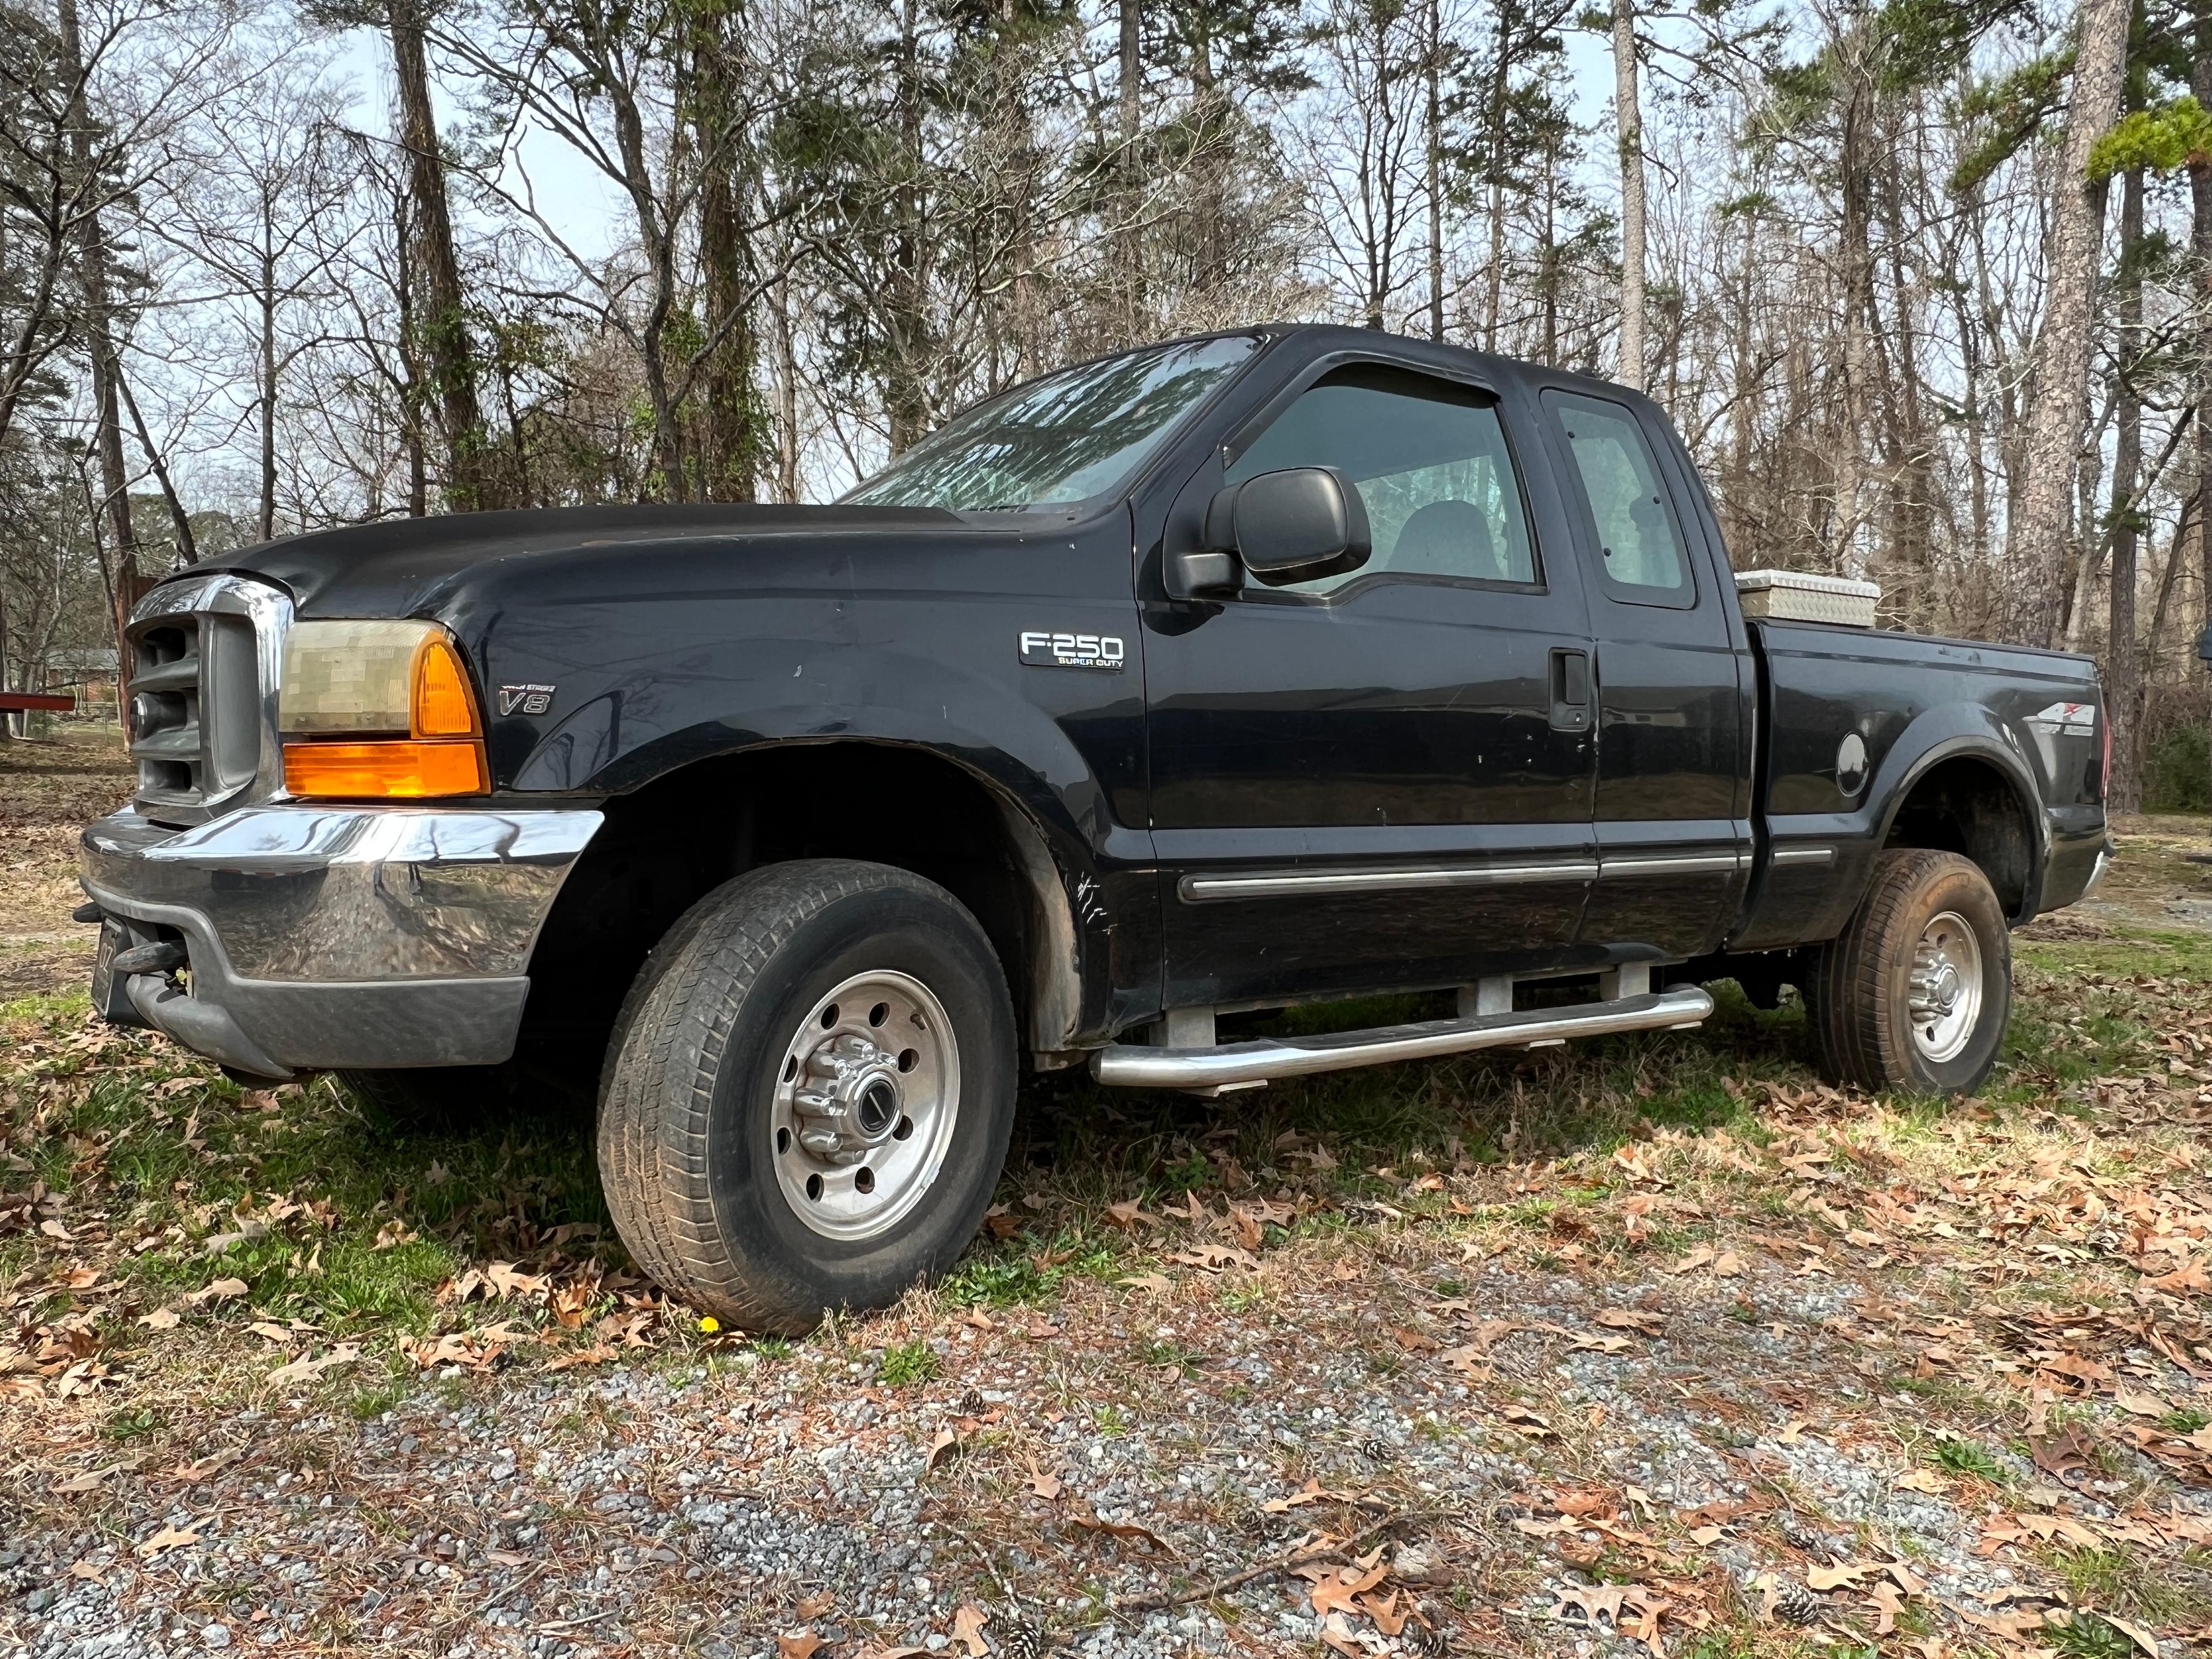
x=1796 y=1603
x=1799 y=1535
x=1427 y=1638
x=972 y=1404
x=1020 y=1641
x=1377 y=1451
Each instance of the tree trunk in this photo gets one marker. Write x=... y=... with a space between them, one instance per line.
x=2123 y=685
x=1858 y=277
x=1501 y=82
x=440 y=318
x=125 y=583
x=2200 y=249
x=730 y=447
x=267 y=301
x=906 y=401
x=180 y=522
x=1128 y=91
x=786 y=397
x=1435 y=120
x=410 y=361
x=2061 y=353
x=1629 y=118
x=1744 y=546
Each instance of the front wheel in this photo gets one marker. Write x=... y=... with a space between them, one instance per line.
x=809 y=1093
x=1915 y=992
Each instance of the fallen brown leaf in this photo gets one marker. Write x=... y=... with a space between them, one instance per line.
x=942 y=1446
x=1342 y=1587
x=1122 y=1530
x=1044 y=1485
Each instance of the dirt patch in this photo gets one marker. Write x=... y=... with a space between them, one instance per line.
x=49 y=791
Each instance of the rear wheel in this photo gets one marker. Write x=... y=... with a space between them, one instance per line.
x=809 y=1093
x=1916 y=992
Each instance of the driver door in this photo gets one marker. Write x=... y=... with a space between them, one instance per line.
x=1382 y=778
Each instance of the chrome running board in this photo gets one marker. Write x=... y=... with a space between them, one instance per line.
x=1246 y=1065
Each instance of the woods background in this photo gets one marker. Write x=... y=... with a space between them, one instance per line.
x=1927 y=285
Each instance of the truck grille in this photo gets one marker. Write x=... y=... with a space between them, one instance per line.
x=205 y=653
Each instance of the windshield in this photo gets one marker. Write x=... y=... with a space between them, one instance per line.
x=1065 y=437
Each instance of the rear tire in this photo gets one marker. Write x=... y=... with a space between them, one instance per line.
x=1916 y=992
x=809 y=1093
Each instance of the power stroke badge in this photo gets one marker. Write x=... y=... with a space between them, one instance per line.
x=1040 y=649
x=524 y=699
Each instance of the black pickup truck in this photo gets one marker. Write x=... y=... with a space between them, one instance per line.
x=1273 y=666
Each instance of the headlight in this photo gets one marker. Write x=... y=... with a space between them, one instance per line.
x=400 y=682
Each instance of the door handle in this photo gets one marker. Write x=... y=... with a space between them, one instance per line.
x=1570 y=690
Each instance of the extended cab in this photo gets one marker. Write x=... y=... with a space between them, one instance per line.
x=1273 y=666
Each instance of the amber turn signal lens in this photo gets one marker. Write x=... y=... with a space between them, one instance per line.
x=391 y=770
x=443 y=705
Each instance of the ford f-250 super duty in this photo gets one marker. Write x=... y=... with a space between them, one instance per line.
x=1263 y=668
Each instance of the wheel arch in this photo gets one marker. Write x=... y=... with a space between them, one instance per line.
x=1968 y=793
x=682 y=832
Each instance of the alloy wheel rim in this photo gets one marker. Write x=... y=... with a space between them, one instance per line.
x=1943 y=989
x=867 y=1091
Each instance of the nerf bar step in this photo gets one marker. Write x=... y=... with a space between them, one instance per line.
x=1234 y=1064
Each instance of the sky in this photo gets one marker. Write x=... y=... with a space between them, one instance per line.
x=592 y=216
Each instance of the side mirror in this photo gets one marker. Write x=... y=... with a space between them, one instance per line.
x=1291 y=526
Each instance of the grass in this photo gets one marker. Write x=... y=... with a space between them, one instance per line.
x=908 y=1363
x=1966 y=1457
x=2085 y=1636
x=2119 y=1582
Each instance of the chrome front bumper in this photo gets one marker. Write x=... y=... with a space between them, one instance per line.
x=319 y=937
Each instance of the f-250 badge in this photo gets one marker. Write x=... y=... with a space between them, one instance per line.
x=524 y=699
x=1044 y=650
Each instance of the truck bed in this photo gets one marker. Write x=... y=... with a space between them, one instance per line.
x=1915 y=704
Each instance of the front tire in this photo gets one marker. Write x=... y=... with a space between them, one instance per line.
x=809 y=1093
x=1916 y=992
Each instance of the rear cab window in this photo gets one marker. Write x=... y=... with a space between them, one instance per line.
x=1643 y=558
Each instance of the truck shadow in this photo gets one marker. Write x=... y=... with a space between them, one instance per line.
x=1483 y=1108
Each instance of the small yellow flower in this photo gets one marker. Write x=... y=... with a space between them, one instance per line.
x=710 y=1324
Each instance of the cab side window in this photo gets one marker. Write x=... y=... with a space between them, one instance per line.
x=1429 y=460
x=1638 y=537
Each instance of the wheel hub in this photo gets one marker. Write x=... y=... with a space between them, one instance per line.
x=849 y=1097
x=865 y=1104
x=1943 y=989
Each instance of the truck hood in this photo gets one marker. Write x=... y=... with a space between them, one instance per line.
x=410 y=567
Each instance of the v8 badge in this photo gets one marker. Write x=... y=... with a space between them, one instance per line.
x=524 y=699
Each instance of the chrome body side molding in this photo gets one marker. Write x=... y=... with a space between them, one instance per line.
x=1794 y=856
x=1315 y=883
x=1613 y=864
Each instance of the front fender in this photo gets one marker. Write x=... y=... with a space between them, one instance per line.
x=1090 y=876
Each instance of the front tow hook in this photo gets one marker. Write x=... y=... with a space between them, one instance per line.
x=162 y=957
